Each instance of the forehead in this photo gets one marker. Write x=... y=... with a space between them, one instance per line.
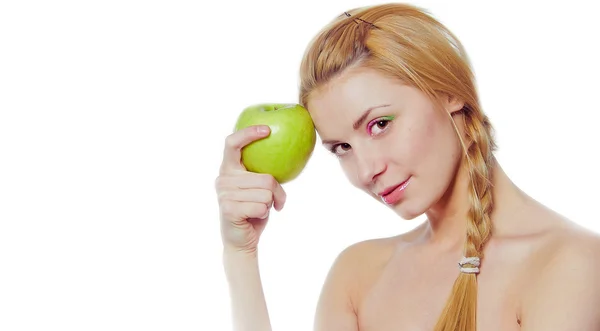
x=353 y=91
x=337 y=104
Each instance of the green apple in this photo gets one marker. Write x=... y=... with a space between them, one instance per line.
x=289 y=146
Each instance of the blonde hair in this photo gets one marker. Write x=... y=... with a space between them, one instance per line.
x=408 y=43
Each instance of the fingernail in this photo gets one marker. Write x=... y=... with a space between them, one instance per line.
x=263 y=129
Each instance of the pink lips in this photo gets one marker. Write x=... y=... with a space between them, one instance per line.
x=392 y=195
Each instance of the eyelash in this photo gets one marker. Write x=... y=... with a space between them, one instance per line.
x=377 y=121
x=385 y=119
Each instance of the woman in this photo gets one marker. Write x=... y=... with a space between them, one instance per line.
x=392 y=94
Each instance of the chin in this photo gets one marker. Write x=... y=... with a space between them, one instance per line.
x=408 y=215
x=408 y=210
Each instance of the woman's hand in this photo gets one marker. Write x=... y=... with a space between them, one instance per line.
x=245 y=198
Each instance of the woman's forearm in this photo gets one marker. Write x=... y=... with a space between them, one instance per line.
x=249 y=308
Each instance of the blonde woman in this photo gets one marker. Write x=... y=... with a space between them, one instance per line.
x=392 y=95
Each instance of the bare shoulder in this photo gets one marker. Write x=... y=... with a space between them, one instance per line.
x=365 y=260
x=354 y=269
x=362 y=263
x=371 y=251
x=572 y=251
x=564 y=291
x=568 y=241
x=376 y=252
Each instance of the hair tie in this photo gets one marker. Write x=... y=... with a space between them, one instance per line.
x=473 y=263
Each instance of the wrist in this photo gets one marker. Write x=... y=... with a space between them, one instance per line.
x=241 y=266
x=238 y=252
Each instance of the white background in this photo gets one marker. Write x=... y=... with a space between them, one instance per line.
x=113 y=115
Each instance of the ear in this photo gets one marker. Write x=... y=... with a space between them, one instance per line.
x=451 y=103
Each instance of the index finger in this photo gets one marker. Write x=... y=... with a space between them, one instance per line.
x=232 y=154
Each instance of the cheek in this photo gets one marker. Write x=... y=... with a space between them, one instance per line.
x=419 y=143
x=369 y=156
x=432 y=145
x=350 y=170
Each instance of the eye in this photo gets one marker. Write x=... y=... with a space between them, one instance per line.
x=379 y=125
x=340 y=149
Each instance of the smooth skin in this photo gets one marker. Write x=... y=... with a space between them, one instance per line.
x=540 y=271
x=245 y=200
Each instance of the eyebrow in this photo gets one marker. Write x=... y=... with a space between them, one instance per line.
x=364 y=116
x=358 y=122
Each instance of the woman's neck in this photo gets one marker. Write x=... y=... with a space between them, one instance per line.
x=447 y=219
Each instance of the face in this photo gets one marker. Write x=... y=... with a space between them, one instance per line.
x=390 y=139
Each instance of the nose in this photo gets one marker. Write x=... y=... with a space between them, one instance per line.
x=370 y=164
